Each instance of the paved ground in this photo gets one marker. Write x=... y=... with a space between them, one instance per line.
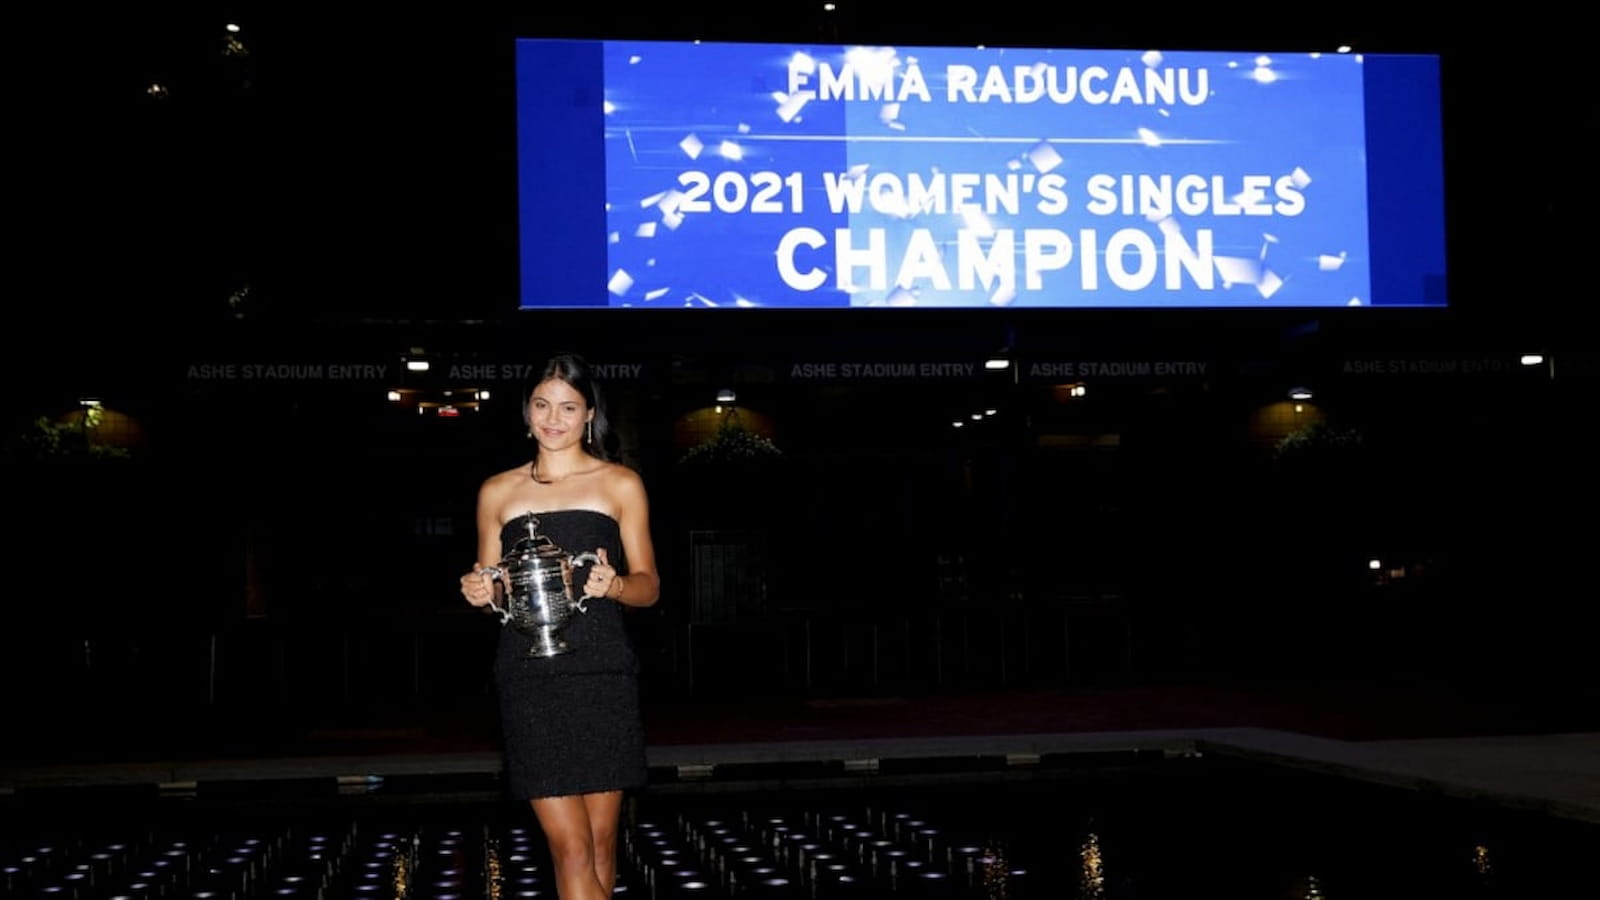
x=1520 y=748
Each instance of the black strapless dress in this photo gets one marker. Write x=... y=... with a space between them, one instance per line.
x=571 y=723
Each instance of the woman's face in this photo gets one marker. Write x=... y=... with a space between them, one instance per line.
x=558 y=414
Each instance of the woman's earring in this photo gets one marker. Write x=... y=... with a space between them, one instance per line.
x=589 y=432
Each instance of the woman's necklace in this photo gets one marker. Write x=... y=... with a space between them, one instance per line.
x=533 y=471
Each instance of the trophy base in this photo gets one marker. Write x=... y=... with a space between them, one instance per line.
x=547 y=642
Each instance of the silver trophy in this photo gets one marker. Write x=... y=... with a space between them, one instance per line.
x=536 y=576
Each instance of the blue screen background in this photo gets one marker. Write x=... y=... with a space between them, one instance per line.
x=609 y=130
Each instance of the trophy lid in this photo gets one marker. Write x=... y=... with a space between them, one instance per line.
x=535 y=544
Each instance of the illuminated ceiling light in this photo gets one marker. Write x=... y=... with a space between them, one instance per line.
x=394 y=396
x=89 y=401
x=156 y=90
x=483 y=395
x=995 y=363
x=232 y=28
x=977 y=417
x=726 y=395
x=1532 y=359
x=957 y=423
x=1299 y=393
x=1374 y=564
x=416 y=365
x=1345 y=48
x=990 y=412
x=829 y=7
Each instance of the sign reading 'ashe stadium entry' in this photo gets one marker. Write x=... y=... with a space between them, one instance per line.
x=680 y=174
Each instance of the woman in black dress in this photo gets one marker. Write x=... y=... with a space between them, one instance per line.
x=574 y=740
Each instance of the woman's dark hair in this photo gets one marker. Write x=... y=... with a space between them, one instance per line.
x=575 y=371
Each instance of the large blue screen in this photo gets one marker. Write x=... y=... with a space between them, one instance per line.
x=658 y=174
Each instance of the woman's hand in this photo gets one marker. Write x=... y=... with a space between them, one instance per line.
x=603 y=579
x=478 y=586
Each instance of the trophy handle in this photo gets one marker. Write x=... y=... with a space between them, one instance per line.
x=496 y=573
x=579 y=562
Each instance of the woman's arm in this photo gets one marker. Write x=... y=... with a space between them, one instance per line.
x=489 y=503
x=641 y=586
x=476 y=585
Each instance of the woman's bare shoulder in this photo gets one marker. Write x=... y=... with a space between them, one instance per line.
x=621 y=473
x=500 y=482
x=622 y=480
